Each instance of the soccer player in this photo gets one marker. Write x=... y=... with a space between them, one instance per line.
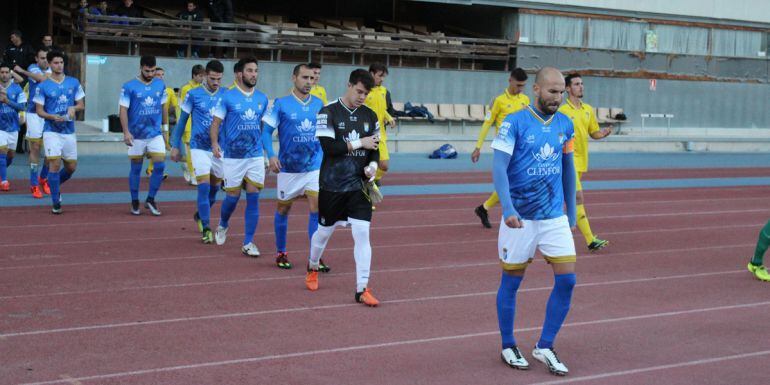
x=197 y=77
x=377 y=101
x=172 y=107
x=143 y=119
x=199 y=104
x=299 y=155
x=317 y=89
x=243 y=164
x=36 y=73
x=510 y=101
x=584 y=120
x=756 y=265
x=534 y=176
x=57 y=100
x=348 y=132
x=12 y=101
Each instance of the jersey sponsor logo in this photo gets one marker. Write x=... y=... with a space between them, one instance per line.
x=249 y=115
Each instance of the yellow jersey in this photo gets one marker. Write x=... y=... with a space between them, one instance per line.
x=182 y=94
x=502 y=106
x=376 y=100
x=320 y=92
x=585 y=123
x=171 y=101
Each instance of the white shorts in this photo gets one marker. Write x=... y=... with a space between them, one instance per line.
x=204 y=163
x=237 y=171
x=155 y=146
x=8 y=140
x=63 y=146
x=35 y=125
x=293 y=185
x=553 y=237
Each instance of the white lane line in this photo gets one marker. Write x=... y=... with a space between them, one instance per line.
x=656 y=368
x=307 y=308
x=395 y=344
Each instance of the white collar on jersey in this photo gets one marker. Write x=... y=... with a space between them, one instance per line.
x=345 y=106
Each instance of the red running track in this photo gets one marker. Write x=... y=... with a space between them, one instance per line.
x=125 y=300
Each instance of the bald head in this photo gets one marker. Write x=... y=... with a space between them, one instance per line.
x=548 y=90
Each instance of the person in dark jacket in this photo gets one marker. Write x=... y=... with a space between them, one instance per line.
x=220 y=11
x=191 y=13
x=18 y=53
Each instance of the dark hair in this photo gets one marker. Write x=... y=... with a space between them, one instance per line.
x=313 y=65
x=159 y=69
x=214 y=66
x=361 y=76
x=47 y=34
x=6 y=65
x=568 y=79
x=198 y=69
x=519 y=74
x=378 y=67
x=44 y=49
x=54 y=54
x=147 y=61
x=17 y=33
x=299 y=67
x=238 y=67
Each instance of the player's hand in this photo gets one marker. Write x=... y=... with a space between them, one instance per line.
x=608 y=130
x=18 y=69
x=370 y=142
x=3 y=98
x=71 y=112
x=370 y=172
x=216 y=150
x=175 y=156
x=392 y=122
x=475 y=155
x=514 y=222
x=275 y=165
x=128 y=139
x=59 y=118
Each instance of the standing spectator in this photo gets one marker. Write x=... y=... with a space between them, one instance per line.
x=128 y=9
x=17 y=53
x=48 y=46
x=220 y=11
x=191 y=13
x=84 y=10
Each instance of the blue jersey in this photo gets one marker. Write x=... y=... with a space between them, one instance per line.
x=33 y=84
x=240 y=130
x=144 y=102
x=300 y=150
x=534 y=172
x=200 y=103
x=9 y=116
x=56 y=98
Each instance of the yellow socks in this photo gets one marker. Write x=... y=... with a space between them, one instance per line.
x=582 y=222
x=492 y=201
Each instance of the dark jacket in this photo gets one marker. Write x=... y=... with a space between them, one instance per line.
x=131 y=11
x=22 y=55
x=221 y=11
x=190 y=16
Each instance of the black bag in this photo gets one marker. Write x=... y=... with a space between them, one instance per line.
x=114 y=123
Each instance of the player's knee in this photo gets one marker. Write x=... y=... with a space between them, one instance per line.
x=283 y=208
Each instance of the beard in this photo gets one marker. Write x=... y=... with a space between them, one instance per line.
x=549 y=108
x=249 y=83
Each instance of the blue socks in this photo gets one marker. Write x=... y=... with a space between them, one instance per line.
x=3 y=168
x=251 y=217
x=204 y=205
x=44 y=169
x=557 y=308
x=228 y=206
x=506 y=307
x=9 y=160
x=64 y=175
x=281 y=225
x=213 y=195
x=312 y=225
x=156 y=179
x=53 y=183
x=134 y=176
x=33 y=174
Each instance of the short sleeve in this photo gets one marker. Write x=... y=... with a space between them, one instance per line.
x=273 y=114
x=164 y=98
x=21 y=97
x=125 y=97
x=322 y=123
x=505 y=140
x=80 y=94
x=39 y=97
x=187 y=104
x=221 y=109
x=593 y=124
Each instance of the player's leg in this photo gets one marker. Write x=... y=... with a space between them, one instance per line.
x=53 y=147
x=483 y=211
x=188 y=169
x=287 y=192
x=70 y=158
x=4 y=143
x=331 y=209
x=136 y=157
x=557 y=246
x=234 y=170
x=202 y=169
x=756 y=266
x=156 y=148
x=255 y=180
x=359 y=209
x=34 y=160
x=312 y=219
x=592 y=241
x=515 y=248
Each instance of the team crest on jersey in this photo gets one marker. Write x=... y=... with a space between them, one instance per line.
x=546 y=154
x=531 y=139
x=148 y=102
x=249 y=115
x=366 y=127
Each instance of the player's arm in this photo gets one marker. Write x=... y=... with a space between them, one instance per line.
x=593 y=128
x=488 y=121
x=568 y=177
x=214 y=134
x=36 y=76
x=17 y=78
x=40 y=110
x=80 y=104
x=19 y=104
x=176 y=135
x=124 y=103
x=503 y=147
x=374 y=156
